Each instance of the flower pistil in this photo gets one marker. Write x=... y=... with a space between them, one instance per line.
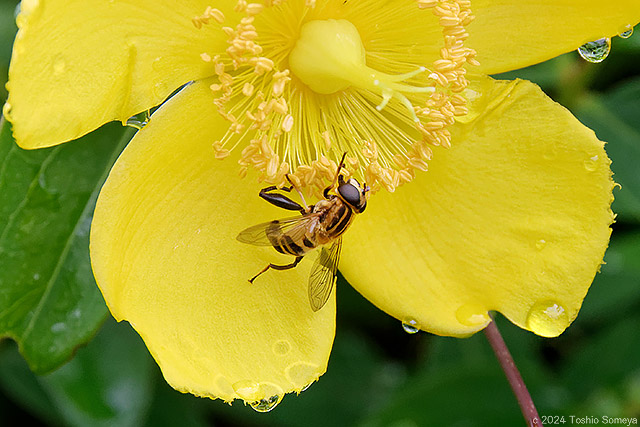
x=302 y=84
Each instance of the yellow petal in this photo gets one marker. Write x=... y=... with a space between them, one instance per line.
x=511 y=34
x=514 y=217
x=166 y=258
x=79 y=64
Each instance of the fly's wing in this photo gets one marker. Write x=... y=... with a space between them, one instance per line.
x=323 y=275
x=262 y=234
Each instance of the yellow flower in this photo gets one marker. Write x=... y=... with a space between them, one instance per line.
x=514 y=217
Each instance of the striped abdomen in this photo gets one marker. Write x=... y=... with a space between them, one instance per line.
x=288 y=244
x=329 y=219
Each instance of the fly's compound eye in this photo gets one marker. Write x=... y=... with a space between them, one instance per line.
x=352 y=194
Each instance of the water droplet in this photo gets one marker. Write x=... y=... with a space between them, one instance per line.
x=6 y=111
x=58 y=327
x=540 y=244
x=224 y=386
x=551 y=153
x=246 y=389
x=595 y=51
x=281 y=347
x=266 y=404
x=58 y=66
x=591 y=163
x=160 y=90
x=139 y=120
x=627 y=32
x=301 y=374
x=36 y=276
x=410 y=326
x=547 y=318
x=473 y=315
x=157 y=62
x=254 y=392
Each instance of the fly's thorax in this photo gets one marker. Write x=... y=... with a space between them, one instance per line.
x=335 y=219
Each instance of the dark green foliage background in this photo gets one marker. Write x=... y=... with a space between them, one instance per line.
x=378 y=375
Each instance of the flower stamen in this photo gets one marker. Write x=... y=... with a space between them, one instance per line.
x=296 y=100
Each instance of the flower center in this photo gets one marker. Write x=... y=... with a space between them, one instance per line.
x=302 y=83
x=329 y=57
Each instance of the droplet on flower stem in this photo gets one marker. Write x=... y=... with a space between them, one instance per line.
x=628 y=31
x=595 y=51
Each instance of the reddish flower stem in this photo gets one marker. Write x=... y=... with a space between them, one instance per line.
x=529 y=410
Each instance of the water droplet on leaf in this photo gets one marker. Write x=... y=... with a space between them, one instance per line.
x=548 y=318
x=595 y=51
x=410 y=326
x=628 y=31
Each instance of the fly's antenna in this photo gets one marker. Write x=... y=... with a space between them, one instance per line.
x=341 y=164
x=335 y=179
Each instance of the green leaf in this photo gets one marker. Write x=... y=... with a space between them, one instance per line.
x=614 y=292
x=614 y=117
x=8 y=30
x=49 y=302
x=461 y=384
x=109 y=382
x=606 y=363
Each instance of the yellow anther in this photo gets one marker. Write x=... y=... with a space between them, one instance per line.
x=287 y=123
x=253 y=9
x=300 y=131
x=247 y=89
x=427 y=4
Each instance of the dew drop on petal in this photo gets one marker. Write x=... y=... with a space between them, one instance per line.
x=262 y=397
x=473 y=315
x=547 y=318
x=138 y=121
x=223 y=386
x=246 y=389
x=6 y=111
x=540 y=244
x=410 y=326
x=591 y=163
x=59 y=65
x=595 y=51
x=301 y=374
x=266 y=404
x=628 y=31
x=281 y=347
x=157 y=63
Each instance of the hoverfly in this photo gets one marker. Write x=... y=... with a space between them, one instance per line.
x=321 y=225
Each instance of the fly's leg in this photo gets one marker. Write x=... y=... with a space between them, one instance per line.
x=280 y=200
x=277 y=267
x=304 y=202
x=335 y=180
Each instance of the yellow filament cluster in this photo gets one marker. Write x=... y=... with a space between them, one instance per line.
x=290 y=129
